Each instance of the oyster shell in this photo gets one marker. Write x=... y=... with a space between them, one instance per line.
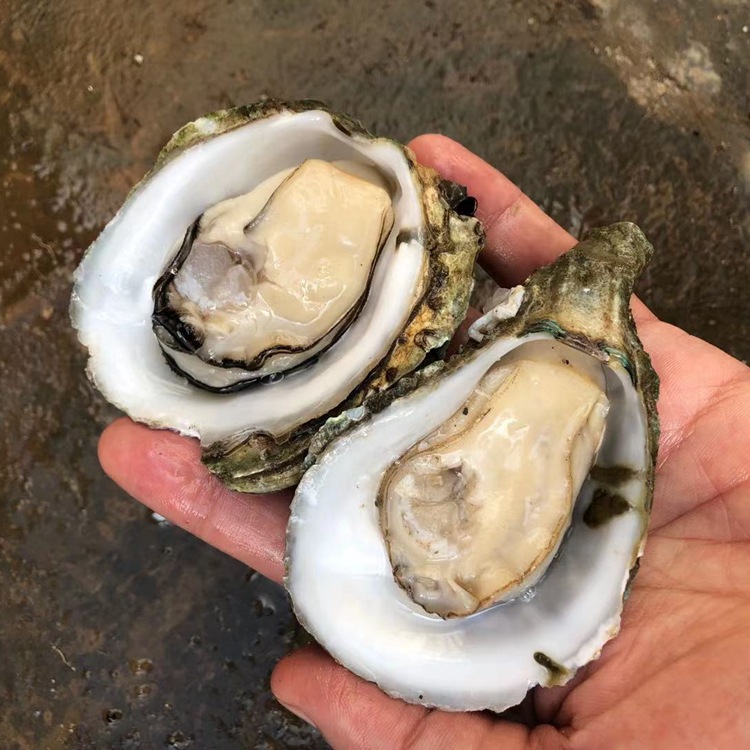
x=483 y=520
x=277 y=265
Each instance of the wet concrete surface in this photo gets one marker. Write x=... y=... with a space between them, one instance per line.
x=119 y=632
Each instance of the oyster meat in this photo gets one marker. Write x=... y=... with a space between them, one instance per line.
x=473 y=513
x=484 y=518
x=264 y=282
x=278 y=265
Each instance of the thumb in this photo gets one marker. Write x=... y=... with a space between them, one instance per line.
x=352 y=713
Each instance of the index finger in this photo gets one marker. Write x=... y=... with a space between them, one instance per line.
x=520 y=236
x=164 y=471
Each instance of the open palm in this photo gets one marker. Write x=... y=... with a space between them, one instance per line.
x=677 y=676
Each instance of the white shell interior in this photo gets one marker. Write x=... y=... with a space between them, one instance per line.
x=112 y=298
x=345 y=594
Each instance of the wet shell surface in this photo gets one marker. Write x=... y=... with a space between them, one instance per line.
x=474 y=531
x=278 y=265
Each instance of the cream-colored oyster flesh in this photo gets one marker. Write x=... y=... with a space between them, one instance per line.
x=475 y=511
x=285 y=275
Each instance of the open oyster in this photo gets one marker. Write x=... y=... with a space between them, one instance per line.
x=483 y=520
x=277 y=265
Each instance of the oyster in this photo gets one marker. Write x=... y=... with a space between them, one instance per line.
x=483 y=520
x=276 y=266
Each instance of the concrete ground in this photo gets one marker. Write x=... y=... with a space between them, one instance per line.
x=119 y=632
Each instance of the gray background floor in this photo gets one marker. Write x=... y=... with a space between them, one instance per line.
x=118 y=632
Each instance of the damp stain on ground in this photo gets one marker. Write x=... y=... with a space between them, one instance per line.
x=119 y=632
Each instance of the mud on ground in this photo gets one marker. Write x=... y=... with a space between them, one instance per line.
x=120 y=632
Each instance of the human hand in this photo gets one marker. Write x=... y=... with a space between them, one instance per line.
x=678 y=675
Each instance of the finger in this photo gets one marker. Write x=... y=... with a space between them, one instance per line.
x=520 y=236
x=704 y=407
x=461 y=335
x=353 y=713
x=164 y=471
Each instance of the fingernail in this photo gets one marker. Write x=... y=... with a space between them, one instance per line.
x=298 y=712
